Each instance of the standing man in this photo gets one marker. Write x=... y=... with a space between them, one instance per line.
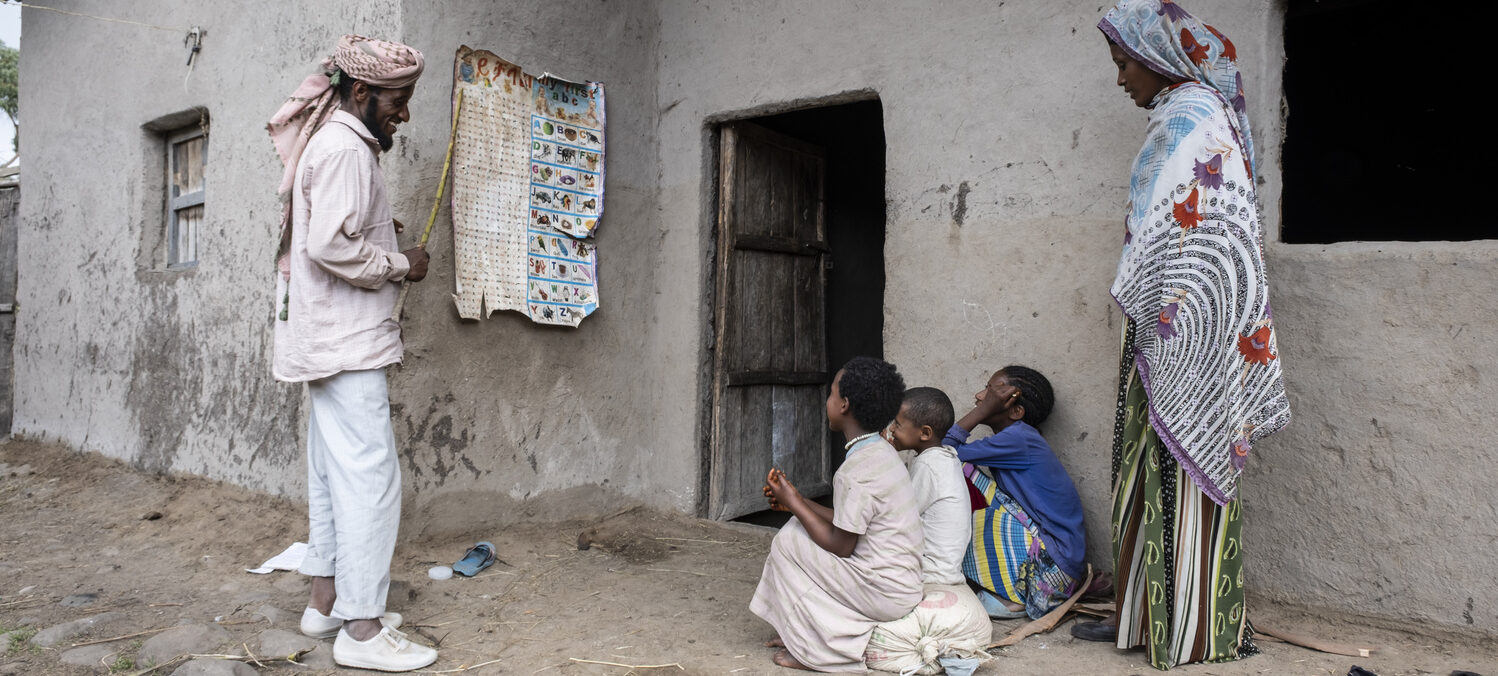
x=339 y=276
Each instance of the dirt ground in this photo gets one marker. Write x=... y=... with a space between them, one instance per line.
x=76 y=541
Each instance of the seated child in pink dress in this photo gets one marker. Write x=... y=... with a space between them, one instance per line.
x=833 y=574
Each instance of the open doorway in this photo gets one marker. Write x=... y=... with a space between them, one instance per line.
x=799 y=290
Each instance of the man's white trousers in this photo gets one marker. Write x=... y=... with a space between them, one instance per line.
x=353 y=490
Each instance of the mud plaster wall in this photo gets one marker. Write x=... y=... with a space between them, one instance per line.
x=1008 y=151
x=1008 y=147
x=505 y=418
x=114 y=353
x=170 y=369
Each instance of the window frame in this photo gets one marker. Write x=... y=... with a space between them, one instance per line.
x=177 y=203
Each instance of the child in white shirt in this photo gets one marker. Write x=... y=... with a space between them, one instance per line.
x=936 y=474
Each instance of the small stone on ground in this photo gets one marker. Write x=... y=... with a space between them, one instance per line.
x=215 y=668
x=272 y=614
x=14 y=470
x=185 y=640
x=291 y=582
x=76 y=600
x=90 y=655
x=56 y=634
x=278 y=644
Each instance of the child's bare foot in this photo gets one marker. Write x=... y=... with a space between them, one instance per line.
x=783 y=658
x=775 y=643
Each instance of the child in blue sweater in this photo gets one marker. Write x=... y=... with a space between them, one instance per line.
x=1028 y=546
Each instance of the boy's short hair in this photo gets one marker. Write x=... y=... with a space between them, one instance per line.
x=873 y=389
x=928 y=406
x=1035 y=393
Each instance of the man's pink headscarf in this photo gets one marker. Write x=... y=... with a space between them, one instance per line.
x=389 y=65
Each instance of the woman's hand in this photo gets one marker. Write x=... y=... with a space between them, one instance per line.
x=780 y=492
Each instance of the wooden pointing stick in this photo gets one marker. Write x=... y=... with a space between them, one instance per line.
x=400 y=302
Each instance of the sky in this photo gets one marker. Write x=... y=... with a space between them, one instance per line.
x=10 y=32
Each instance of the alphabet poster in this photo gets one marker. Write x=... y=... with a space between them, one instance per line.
x=527 y=177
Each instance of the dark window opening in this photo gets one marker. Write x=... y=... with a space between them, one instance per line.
x=1378 y=139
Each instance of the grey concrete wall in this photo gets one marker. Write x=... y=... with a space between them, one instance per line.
x=1008 y=147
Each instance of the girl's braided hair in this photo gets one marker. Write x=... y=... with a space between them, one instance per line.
x=1035 y=393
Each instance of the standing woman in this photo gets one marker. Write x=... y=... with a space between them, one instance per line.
x=1199 y=377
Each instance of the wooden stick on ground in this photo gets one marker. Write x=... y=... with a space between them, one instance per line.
x=247 y=657
x=693 y=572
x=1050 y=620
x=631 y=666
x=460 y=668
x=28 y=599
x=120 y=638
x=1314 y=643
x=1090 y=612
x=169 y=663
x=1096 y=609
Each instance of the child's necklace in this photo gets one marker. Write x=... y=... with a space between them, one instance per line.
x=854 y=442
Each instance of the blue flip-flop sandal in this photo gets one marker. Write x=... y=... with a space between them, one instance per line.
x=480 y=557
x=996 y=609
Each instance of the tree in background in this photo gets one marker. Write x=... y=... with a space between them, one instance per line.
x=10 y=91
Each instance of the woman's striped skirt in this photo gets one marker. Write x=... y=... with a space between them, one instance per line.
x=1178 y=555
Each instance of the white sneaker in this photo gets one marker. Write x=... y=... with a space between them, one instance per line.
x=318 y=625
x=388 y=650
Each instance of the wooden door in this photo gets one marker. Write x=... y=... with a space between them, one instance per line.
x=770 y=375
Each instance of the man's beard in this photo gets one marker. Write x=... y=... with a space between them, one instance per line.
x=378 y=130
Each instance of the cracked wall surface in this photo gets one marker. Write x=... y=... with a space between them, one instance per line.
x=1008 y=146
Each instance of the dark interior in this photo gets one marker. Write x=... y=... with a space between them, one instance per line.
x=1376 y=136
x=853 y=136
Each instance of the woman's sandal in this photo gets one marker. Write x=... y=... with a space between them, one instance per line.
x=1100 y=632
